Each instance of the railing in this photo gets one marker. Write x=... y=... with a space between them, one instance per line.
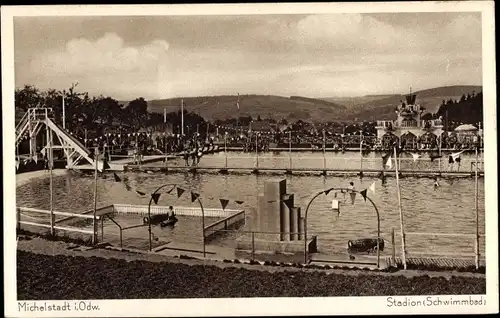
x=477 y=251
x=224 y=224
x=21 y=210
x=386 y=123
x=179 y=210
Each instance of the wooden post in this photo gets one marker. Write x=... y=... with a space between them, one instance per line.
x=257 y=150
x=361 y=152
x=18 y=214
x=253 y=246
x=324 y=150
x=51 y=164
x=476 y=188
x=94 y=225
x=401 y=222
x=393 y=242
x=225 y=148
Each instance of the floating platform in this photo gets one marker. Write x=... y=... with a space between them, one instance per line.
x=322 y=171
x=119 y=165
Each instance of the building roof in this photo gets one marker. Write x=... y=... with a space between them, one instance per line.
x=466 y=127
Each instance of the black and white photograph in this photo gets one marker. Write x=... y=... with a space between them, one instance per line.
x=249 y=159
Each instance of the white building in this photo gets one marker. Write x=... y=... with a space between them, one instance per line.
x=408 y=125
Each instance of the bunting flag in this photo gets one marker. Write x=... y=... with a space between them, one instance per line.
x=194 y=196
x=35 y=158
x=224 y=203
x=239 y=202
x=455 y=157
x=335 y=205
x=387 y=161
x=43 y=151
x=372 y=188
x=117 y=178
x=156 y=197
x=353 y=196
x=415 y=156
x=129 y=188
x=327 y=192
x=434 y=156
x=17 y=163
x=170 y=191
x=363 y=193
x=140 y=193
x=179 y=192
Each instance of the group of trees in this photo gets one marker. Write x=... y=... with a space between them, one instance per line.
x=97 y=113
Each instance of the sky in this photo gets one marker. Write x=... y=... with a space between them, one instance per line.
x=320 y=55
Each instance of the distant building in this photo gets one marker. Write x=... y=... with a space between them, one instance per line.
x=263 y=126
x=408 y=126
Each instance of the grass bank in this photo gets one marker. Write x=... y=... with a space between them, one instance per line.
x=44 y=277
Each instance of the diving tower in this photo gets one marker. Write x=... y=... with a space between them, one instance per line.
x=32 y=124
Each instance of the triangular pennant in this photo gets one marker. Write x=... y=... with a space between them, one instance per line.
x=140 y=193
x=128 y=187
x=180 y=192
x=117 y=178
x=170 y=191
x=456 y=156
x=363 y=193
x=224 y=203
x=35 y=158
x=353 y=196
x=43 y=152
x=415 y=156
x=194 y=196
x=105 y=165
x=434 y=156
x=327 y=191
x=156 y=197
x=372 y=187
x=386 y=161
x=239 y=202
x=17 y=164
x=335 y=205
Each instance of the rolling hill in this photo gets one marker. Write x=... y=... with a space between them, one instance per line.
x=383 y=108
x=265 y=106
x=369 y=107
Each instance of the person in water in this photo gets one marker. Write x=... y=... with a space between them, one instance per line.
x=351 y=186
x=170 y=212
x=436 y=184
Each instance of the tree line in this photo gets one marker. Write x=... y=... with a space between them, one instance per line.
x=99 y=113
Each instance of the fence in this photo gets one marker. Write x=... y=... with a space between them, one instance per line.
x=414 y=248
x=179 y=210
x=332 y=163
x=227 y=223
x=24 y=211
x=231 y=219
